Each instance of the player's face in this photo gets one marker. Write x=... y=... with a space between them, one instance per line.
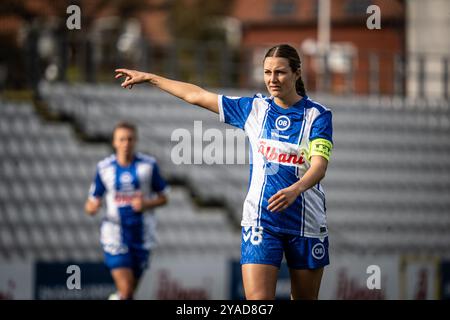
x=124 y=141
x=278 y=77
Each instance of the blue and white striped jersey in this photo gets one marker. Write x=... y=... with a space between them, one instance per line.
x=281 y=146
x=122 y=226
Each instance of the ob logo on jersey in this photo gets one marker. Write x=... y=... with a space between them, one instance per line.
x=282 y=123
x=126 y=181
x=126 y=191
x=126 y=178
x=318 y=251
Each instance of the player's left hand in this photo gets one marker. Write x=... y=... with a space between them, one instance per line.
x=138 y=202
x=283 y=199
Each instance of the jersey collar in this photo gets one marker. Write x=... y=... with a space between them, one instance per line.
x=133 y=160
x=299 y=105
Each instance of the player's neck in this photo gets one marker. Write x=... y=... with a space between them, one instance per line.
x=286 y=102
x=124 y=160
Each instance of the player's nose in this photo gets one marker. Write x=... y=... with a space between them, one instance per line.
x=273 y=78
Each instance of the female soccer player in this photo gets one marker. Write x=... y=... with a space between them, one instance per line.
x=290 y=143
x=133 y=187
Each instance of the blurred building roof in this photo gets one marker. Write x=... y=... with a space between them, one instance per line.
x=294 y=20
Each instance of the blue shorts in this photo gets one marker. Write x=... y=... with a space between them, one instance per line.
x=135 y=259
x=262 y=246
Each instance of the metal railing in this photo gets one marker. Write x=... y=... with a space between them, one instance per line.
x=214 y=64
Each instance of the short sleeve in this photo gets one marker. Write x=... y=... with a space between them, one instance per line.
x=235 y=110
x=322 y=127
x=97 y=188
x=321 y=136
x=158 y=182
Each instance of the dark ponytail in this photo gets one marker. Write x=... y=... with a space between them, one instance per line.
x=288 y=52
x=300 y=87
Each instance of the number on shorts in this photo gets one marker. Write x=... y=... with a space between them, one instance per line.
x=257 y=235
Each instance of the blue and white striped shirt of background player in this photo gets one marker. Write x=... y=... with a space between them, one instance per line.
x=282 y=142
x=121 y=225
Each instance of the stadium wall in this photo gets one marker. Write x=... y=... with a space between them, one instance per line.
x=218 y=277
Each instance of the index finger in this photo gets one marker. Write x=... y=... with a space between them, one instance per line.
x=121 y=72
x=275 y=196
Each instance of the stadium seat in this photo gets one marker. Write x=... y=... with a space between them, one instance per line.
x=387 y=182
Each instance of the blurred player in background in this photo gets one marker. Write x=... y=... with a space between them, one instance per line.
x=133 y=187
x=291 y=141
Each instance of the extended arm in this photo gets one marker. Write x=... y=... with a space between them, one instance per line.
x=186 y=91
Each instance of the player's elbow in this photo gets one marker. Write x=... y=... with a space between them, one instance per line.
x=193 y=98
x=200 y=97
x=321 y=172
x=322 y=176
x=319 y=165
